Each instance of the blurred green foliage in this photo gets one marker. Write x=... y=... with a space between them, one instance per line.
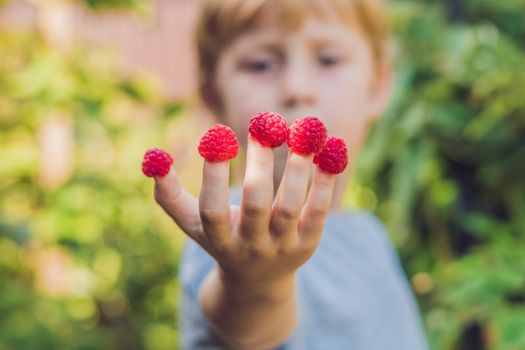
x=445 y=168
x=92 y=263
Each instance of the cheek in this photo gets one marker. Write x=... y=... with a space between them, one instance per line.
x=345 y=101
x=348 y=86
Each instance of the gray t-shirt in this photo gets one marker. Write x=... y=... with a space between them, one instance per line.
x=352 y=293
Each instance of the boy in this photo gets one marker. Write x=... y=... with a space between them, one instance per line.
x=250 y=277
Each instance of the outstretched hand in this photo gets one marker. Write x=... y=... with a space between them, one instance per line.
x=265 y=238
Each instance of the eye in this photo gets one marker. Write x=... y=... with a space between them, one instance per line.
x=257 y=66
x=328 y=60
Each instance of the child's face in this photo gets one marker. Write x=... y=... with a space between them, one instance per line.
x=325 y=69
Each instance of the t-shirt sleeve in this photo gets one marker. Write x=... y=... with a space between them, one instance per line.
x=403 y=327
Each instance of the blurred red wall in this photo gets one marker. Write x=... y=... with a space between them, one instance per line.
x=161 y=44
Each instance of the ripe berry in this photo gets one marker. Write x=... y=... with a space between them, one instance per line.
x=306 y=136
x=269 y=129
x=219 y=143
x=333 y=159
x=156 y=162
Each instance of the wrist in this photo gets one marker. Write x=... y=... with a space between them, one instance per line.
x=274 y=289
x=249 y=313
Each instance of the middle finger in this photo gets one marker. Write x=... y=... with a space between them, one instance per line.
x=257 y=192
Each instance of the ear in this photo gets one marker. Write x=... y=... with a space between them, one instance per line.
x=381 y=91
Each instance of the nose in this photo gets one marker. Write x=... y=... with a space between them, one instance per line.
x=299 y=88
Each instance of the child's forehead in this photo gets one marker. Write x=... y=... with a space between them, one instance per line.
x=317 y=21
x=314 y=33
x=233 y=19
x=292 y=14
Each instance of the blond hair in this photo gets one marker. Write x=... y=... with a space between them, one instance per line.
x=223 y=21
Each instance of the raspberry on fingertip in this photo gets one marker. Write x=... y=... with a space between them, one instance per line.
x=156 y=162
x=333 y=158
x=218 y=144
x=269 y=129
x=307 y=136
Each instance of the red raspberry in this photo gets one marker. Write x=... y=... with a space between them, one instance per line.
x=219 y=143
x=156 y=162
x=306 y=136
x=333 y=159
x=269 y=129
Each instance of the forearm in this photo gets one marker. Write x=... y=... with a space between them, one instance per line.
x=248 y=315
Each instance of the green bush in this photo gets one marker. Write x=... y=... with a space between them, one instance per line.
x=114 y=248
x=446 y=168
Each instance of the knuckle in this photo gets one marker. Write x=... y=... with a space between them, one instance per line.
x=255 y=252
x=252 y=210
x=211 y=216
x=317 y=213
x=286 y=250
x=287 y=213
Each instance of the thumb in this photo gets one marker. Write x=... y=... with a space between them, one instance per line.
x=178 y=203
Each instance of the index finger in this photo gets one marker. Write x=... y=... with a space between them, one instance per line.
x=214 y=206
x=257 y=193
